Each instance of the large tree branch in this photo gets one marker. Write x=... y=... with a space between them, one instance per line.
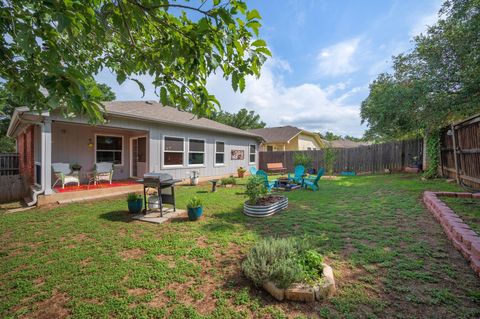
x=169 y=5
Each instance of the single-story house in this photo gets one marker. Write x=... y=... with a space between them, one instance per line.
x=138 y=137
x=288 y=138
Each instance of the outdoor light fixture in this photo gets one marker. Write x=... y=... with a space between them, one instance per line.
x=90 y=143
x=449 y=133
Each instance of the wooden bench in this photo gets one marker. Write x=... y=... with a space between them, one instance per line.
x=276 y=168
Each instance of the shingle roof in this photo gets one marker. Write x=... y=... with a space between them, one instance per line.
x=280 y=134
x=154 y=111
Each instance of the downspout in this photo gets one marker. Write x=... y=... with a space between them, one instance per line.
x=33 y=191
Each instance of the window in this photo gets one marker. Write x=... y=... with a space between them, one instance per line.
x=109 y=149
x=219 y=153
x=269 y=148
x=196 y=152
x=252 y=153
x=173 y=150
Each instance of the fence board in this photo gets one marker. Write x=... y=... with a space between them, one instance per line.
x=467 y=138
x=375 y=158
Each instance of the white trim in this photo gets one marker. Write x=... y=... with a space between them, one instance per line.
x=131 y=153
x=163 y=153
x=107 y=135
x=255 y=153
x=204 y=152
x=215 y=154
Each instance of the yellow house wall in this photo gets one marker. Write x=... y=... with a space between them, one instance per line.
x=306 y=141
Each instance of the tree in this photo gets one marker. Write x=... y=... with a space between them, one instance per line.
x=58 y=46
x=330 y=136
x=243 y=119
x=434 y=84
x=8 y=105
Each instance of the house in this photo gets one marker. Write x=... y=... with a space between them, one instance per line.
x=288 y=138
x=138 y=137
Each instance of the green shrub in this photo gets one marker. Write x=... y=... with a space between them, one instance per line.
x=282 y=261
x=330 y=155
x=132 y=197
x=302 y=159
x=255 y=189
x=228 y=181
x=194 y=202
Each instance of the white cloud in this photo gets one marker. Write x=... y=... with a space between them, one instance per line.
x=422 y=24
x=307 y=105
x=338 y=58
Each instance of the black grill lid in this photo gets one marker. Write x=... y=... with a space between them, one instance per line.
x=158 y=176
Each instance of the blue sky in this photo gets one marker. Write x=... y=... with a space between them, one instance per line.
x=325 y=53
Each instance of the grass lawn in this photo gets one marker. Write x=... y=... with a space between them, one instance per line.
x=467 y=209
x=390 y=257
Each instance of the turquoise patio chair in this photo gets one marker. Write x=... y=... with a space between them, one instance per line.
x=298 y=174
x=253 y=170
x=313 y=182
x=269 y=185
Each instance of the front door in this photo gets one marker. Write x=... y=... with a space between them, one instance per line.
x=138 y=156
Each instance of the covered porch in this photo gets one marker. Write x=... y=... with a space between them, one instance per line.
x=83 y=147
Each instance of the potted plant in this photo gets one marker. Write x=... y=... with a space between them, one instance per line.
x=135 y=203
x=194 y=177
x=195 y=208
x=241 y=171
x=76 y=167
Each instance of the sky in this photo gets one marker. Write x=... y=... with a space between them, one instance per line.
x=325 y=54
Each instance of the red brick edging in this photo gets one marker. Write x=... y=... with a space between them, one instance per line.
x=463 y=238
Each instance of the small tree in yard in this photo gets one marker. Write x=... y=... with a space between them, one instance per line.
x=255 y=189
x=330 y=155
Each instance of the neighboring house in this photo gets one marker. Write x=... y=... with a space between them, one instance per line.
x=288 y=138
x=346 y=144
x=138 y=137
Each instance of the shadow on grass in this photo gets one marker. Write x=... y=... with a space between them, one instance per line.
x=117 y=216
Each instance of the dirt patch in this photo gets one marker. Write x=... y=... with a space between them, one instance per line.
x=85 y=261
x=269 y=200
x=166 y=258
x=137 y=292
x=54 y=307
x=81 y=238
x=135 y=253
x=39 y=281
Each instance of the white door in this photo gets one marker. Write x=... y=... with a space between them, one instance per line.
x=138 y=154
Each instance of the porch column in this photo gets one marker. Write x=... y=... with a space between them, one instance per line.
x=47 y=156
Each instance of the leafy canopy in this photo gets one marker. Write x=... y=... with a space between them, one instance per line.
x=243 y=119
x=58 y=46
x=434 y=84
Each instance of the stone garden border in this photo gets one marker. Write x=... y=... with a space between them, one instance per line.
x=305 y=293
x=463 y=238
x=264 y=211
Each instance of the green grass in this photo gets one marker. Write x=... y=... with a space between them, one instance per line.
x=467 y=209
x=390 y=257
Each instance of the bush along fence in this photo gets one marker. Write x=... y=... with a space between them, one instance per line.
x=12 y=184
x=460 y=152
x=376 y=158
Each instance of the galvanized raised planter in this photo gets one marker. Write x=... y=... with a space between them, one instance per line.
x=264 y=211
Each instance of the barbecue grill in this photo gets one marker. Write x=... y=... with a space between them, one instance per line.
x=165 y=186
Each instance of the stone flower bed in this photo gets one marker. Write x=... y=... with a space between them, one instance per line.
x=463 y=238
x=289 y=269
x=305 y=292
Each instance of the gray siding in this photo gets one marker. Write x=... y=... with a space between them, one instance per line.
x=70 y=144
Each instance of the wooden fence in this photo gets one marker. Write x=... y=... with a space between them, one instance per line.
x=9 y=164
x=394 y=156
x=12 y=184
x=460 y=152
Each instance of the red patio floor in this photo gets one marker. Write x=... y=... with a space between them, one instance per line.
x=75 y=188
